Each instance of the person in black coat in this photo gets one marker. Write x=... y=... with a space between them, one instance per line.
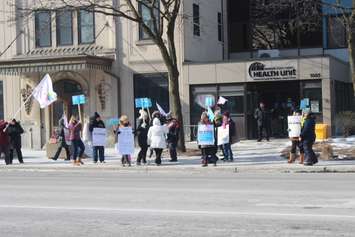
x=63 y=141
x=99 y=151
x=14 y=131
x=173 y=137
x=308 y=137
x=262 y=117
x=142 y=134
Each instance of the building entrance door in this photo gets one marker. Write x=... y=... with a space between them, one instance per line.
x=65 y=90
x=280 y=98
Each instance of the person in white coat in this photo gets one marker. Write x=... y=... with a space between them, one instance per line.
x=157 y=135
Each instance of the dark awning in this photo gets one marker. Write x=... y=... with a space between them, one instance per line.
x=55 y=63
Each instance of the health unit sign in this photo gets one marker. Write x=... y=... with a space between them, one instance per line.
x=272 y=70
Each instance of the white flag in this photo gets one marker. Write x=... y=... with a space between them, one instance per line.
x=162 y=112
x=221 y=100
x=44 y=93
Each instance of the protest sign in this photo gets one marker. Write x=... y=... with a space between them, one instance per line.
x=143 y=103
x=78 y=99
x=205 y=135
x=223 y=135
x=125 y=145
x=294 y=126
x=99 y=137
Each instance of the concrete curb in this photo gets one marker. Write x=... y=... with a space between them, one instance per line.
x=188 y=169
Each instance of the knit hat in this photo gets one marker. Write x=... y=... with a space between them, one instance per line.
x=227 y=114
x=96 y=115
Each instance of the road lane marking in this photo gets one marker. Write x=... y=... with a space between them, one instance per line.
x=180 y=212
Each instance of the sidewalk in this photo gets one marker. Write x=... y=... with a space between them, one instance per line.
x=249 y=157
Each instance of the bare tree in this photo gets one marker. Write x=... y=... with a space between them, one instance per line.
x=160 y=28
x=300 y=15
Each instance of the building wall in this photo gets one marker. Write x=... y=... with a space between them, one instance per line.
x=8 y=30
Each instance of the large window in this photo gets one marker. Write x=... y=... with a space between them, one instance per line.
x=196 y=19
x=144 y=10
x=43 y=29
x=336 y=33
x=64 y=23
x=153 y=86
x=86 y=26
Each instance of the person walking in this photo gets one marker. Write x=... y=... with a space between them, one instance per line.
x=263 y=121
x=308 y=137
x=208 y=151
x=157 y=135
x=4 y=141
x=98 y=151
x=15 y=131
x=142 y=134
x=63 y=131
x=173 y=137
x=227 y=148
x=296 y=142
x=75 y=128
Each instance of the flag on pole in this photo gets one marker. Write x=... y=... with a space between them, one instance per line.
x=44 y=93
x=162 y=112
x=221 y=100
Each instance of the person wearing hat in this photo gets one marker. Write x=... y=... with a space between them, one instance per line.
x=157 y=139
x=308 y=137
x=124 y=123
x=99 y=151
x=15 y=130
x=173 y=136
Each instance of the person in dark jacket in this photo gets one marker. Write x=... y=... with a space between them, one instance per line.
x=173 y=137
x=63 y=141
x=4 y=141
x=15 y=130
x=75 y=128
x=142 y=134
x=227 y=148
x=99 y=151
x=308 y=137
x=263 y=121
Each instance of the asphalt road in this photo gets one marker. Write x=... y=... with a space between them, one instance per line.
x=88 y=203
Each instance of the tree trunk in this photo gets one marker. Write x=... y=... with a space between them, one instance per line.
x=176 y=103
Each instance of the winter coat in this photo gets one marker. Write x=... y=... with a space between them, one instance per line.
x=74 y=131
x=157 y=135
x=142 y=132
x=262 y=117
x=174 y=130
x=95 y=124
x=308 y=131
x=14 y=131
x=4 y=137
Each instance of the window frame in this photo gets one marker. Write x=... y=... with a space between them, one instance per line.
x=141 y=34
x=196 y=20
x=37 y=44
x=80 y=42
x=58 y=28
x=328 y=32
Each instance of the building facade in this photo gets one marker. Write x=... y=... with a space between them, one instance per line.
x=222 y=51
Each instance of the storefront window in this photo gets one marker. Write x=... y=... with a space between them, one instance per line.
x=313 y=92
x=154 y=87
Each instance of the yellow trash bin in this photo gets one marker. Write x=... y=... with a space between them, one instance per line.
x=321 y=131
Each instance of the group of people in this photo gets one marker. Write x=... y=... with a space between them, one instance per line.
x=158 y=133
x=10 y=140
x=305 y=141
x=209 y=152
